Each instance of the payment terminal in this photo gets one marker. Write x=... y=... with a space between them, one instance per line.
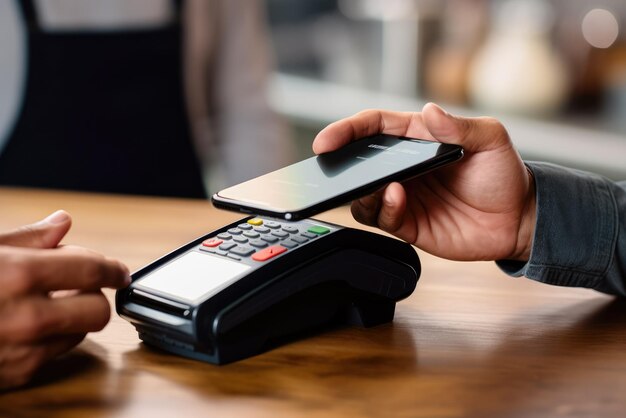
x=259 y=282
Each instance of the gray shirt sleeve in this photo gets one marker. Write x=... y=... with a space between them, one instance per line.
x=580 y=234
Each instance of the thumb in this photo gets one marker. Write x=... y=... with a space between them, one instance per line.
x=473 y=134
x=46 y=233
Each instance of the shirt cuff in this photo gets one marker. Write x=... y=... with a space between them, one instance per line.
x=575 y=232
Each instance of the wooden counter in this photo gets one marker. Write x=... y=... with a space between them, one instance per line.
x=469 y=342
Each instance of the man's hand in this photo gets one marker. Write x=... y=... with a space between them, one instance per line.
x=49 y=296
x=480 y=208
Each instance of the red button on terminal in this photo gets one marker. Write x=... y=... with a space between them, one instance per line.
x=212 y=242
x=268 y=253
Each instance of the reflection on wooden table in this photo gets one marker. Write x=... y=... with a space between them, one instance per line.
x=470 y=341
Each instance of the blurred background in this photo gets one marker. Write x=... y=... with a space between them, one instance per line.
x=553 y=71
x=182 y=98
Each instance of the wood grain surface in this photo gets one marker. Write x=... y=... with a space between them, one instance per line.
x=470 y=341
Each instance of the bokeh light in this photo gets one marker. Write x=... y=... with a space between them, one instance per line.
x=600 y=28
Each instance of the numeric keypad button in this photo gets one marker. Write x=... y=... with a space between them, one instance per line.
x=269 y=238
x=280 y=234
x=299 y=239
x=261 y=229
x=242 y=250
x=289 y=243
x=227 y=246
x=259 y=243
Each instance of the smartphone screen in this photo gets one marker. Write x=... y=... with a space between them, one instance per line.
x=328 y=180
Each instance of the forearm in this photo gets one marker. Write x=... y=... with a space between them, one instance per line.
x=580 y=234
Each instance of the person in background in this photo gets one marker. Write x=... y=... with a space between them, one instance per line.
x=552 y=224
x=123 y=96
x=49 y=296
x=136 y=96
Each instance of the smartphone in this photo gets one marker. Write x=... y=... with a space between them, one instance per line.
x=320 y=183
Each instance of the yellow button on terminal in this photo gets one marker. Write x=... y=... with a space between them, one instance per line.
x=255 y=221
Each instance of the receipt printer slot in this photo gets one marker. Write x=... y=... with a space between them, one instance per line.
x=161 y=304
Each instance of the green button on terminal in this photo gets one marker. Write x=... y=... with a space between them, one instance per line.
x=319 y=230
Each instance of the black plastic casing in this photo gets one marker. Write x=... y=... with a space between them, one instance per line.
x=347 y=277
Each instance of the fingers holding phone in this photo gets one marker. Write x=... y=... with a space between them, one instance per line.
x=367 y=123
x=475 y=209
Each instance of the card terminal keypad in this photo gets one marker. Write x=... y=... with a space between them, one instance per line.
x=259 y=239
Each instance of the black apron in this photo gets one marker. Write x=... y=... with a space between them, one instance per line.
x=105 y=112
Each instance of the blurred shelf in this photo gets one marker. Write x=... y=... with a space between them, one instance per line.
x=313 y=104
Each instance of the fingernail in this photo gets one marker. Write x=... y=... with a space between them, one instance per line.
x=444 y=111
x=57 y=217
